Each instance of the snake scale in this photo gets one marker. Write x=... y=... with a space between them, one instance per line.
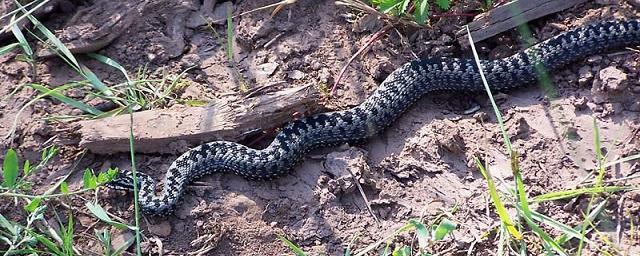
x=393 y=96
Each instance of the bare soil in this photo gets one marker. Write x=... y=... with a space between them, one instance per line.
x=420 y=167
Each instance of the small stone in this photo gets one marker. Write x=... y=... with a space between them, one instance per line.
x=266 y=69
x=442 y=50
x=296 y=75
x=481 y=117
x=612 y=79
x=521 y=129
x=162 y=229
x=594 y=59
x=340 y=165
x=76 y=93
x=444 y=38
x=579 y=103
x=207 y=14
x=120 y=237
x=315 y=65
x=585 y=75
x=241 y=203
x=190 y=60
x=368 y=23
x=42 y=128
x=324 y=76
x=381 y=71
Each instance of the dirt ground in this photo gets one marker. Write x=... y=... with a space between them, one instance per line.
x=421 y=166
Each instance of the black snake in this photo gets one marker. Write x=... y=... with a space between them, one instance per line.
x=393 y=96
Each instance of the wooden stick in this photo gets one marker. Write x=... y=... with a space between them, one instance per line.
x=511 y=15
x=174 y=130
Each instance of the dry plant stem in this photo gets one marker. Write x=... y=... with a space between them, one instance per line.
x=620 y=217
x=374 y=38
x=364 y=196
x=278 y=6
x=453 y=14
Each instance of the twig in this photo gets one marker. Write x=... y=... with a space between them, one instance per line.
x=278 y=5
x=453 y=14
x=366 y=201
x=619 y=222
x=374 y=38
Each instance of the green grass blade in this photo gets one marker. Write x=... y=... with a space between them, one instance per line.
x=293 y=247
x=67 y=56
x=21 y=9
x=10 y=169
x=592 y=216
x=422 y=233
x=21 y=39
x=7 y=48
x=443 y=4
x=55 y=93
x=33 y=205
x=565 y=194
x=544 y=236
x=444 y=228
x=599 y=156
x=505 y=136
x=622 y=160
x=497 y=202
x=7 y=225
x=422 y=12
x=50 y=245
x=94 y=80
x=566 y=230
x=101 y=214
x=108 y=61
x=89 y=181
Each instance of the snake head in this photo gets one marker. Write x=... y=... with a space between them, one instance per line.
x=124 y=180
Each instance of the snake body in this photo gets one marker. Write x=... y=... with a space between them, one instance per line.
x=394 y=95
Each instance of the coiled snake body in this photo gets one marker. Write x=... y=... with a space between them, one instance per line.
x=393 y=96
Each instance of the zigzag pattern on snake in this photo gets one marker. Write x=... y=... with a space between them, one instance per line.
x=393 y=96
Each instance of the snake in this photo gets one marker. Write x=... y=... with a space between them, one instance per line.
x=395 y=95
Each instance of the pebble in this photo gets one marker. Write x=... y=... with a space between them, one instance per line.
x=579 y=103
x=121 y=237
x=612 y=79
x=444 y=38
x=162 y=229
x=296 y=75
x=481 y=117
x=368 y=23
x=265 y=70
x=241 y=203
x=190 y=60
x=594 y=59
x=521 y=129
x=585 y=75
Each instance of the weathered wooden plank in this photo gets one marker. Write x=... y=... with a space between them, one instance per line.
x=511 y=15
x=174 y=130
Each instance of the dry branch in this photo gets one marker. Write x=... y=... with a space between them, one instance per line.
x=511 y=15
x=173 y=130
